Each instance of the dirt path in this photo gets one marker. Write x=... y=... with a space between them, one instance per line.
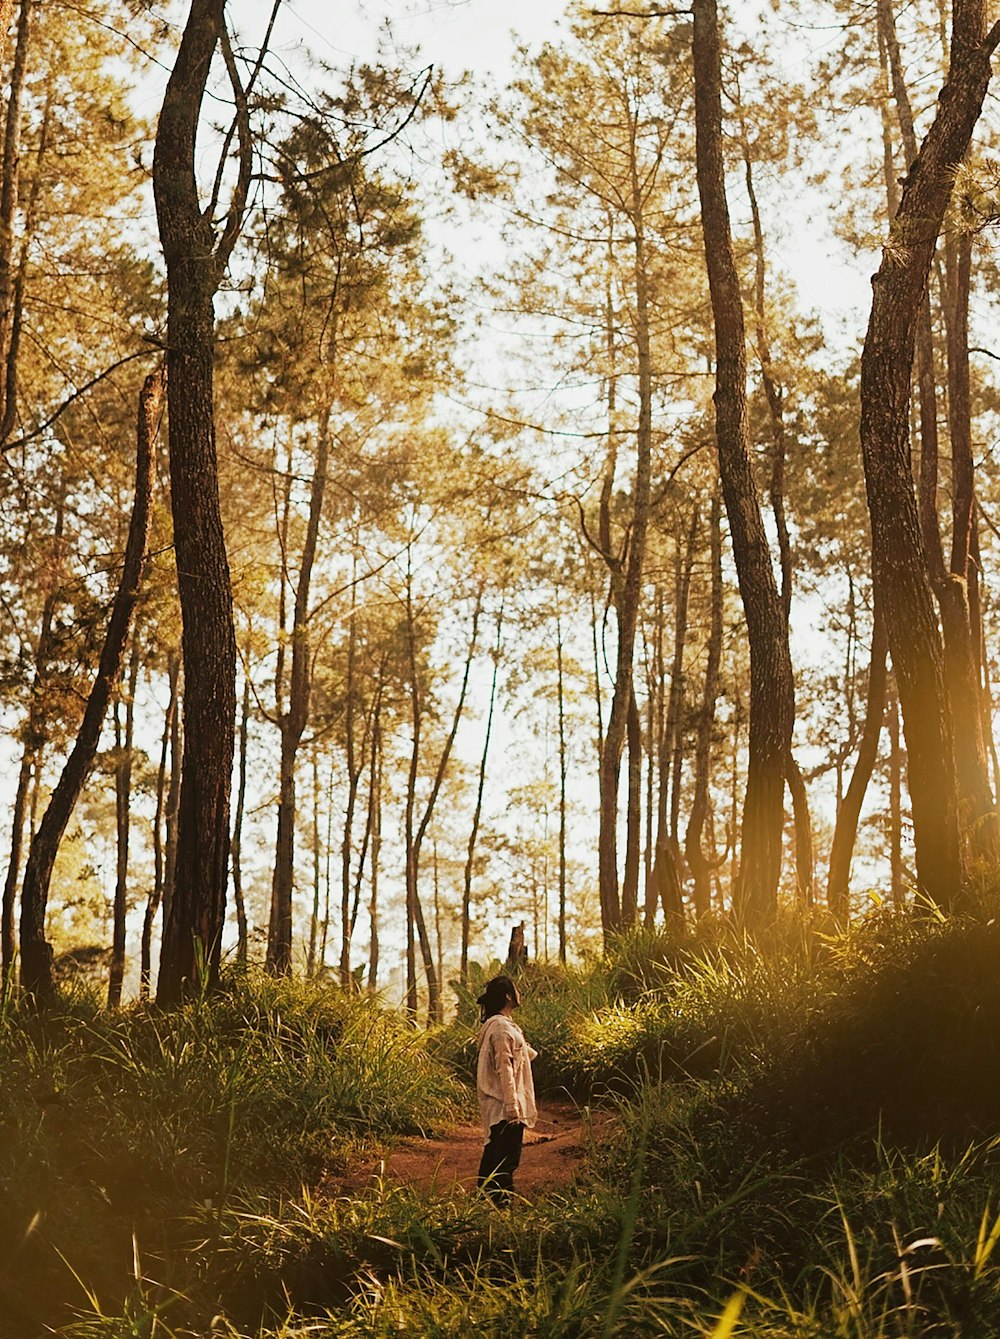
x=554 y=1152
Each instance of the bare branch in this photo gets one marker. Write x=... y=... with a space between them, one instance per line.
x=82 y=390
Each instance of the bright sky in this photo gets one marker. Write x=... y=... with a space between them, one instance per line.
x=454 y=34
x=482 y=35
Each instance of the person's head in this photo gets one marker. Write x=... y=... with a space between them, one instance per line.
x=498 y=993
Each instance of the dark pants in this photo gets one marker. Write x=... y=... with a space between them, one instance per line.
x=500 y=1158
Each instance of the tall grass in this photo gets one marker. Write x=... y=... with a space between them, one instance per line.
x=145 y=1124
x=726 y=1203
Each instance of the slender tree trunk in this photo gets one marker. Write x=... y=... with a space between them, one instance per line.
x=9 y=183
x=962 y=657
x=236 y=855
x=36 y=952
x=563 y=770
x=895 y=802
x=123 y=801
x=899 y=563
x=845 y=830
x=633 y=840
x=415 y=838
x=655 y=725
x=196 y=260
x=674 y=756
x=30 y=756
x=597 y=679
x=174 y=789
x=355 y=766
x=292 y=722
x=375 y=806
x=317 y=871
x=159 y=864
x=463 y=971
x=626 y=576
x=772 y=702
x=698 y=862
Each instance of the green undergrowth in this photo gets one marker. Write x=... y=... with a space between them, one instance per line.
x=138 y=1125
x=803 y=1143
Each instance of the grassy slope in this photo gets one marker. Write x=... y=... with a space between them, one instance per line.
x=806 y=1137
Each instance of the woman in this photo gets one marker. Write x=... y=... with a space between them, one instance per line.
x=505 y=1087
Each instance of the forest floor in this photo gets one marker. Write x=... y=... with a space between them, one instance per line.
x=554 y=1152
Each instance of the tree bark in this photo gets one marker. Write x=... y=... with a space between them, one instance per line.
x=899 y=560
x=951 y=587
x=196 y=260
x=36 y=952
x=772 y=703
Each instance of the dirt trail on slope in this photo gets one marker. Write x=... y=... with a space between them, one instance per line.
x=554 y=1151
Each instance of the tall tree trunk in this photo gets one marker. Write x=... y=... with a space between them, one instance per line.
x=772 y=699
x=30 y=756
x=123 y=802
x=561 y=692
x=36 y=952
x=674 y=754
x=698 y=862
x=196 y=260
x=292 y=722
x=775 y=397
x=317 y=870
x=355 y=766
x=960 y=640
x=375 y=807
x=962 y=660
x=633 y=838
x=627 y=574
x=463 y=970
x=899 y=561
x=236 y=853
x=895 y=801
x=157 y=895
x=414 y=835
x=845 y=830
x=9 y=182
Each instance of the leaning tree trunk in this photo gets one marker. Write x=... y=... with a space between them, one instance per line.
x=899 y=562
x=845 y=829
x=772 y=697
x=36 y=952
x=196 y=260
x=951 y=587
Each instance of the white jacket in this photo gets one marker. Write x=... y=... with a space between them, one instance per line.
x=503 y=1076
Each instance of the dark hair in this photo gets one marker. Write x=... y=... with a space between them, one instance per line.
x=497 y=993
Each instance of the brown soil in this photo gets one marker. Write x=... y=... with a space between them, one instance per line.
x=554 y=1152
